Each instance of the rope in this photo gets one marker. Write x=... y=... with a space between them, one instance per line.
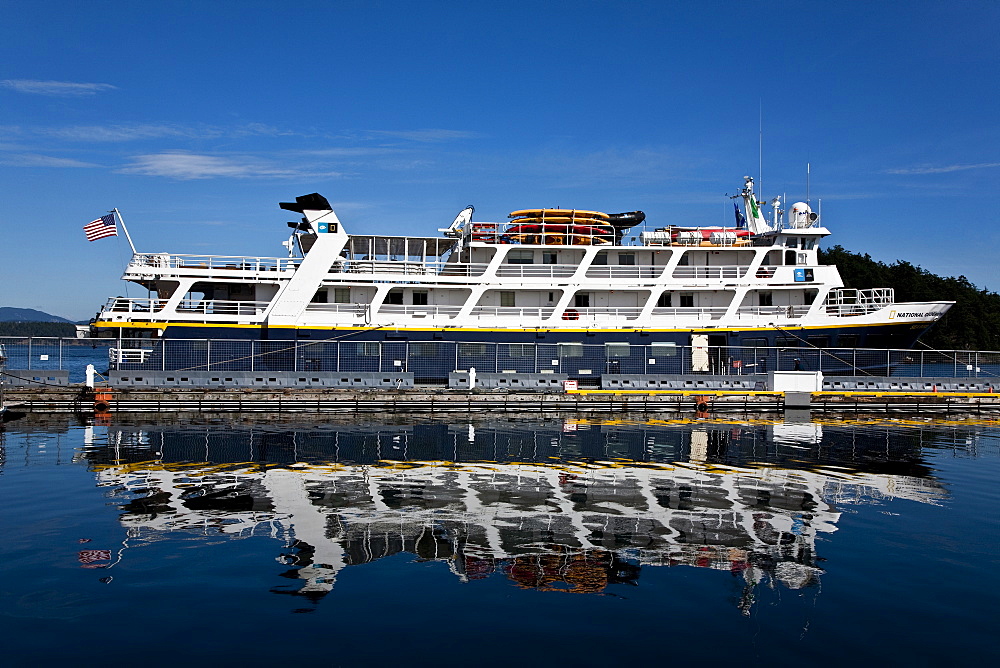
x=812 y=345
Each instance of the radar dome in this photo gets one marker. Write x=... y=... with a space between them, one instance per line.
x=802 y=216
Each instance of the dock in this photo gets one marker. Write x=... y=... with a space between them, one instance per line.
x=106 y=400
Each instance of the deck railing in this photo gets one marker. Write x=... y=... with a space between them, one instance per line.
x=624 y=271
x=848 y=301
x=133 y=306
x=722 y=271
x=160 y=261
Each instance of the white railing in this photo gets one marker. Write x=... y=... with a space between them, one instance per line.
x=537 y=313
x=602 y=313
x=623 y=271
x=536 y=270
x=787 y=311
x=419 y=311
x=851 y=302
x=356 y=309
x=689 y=312
x=162 y=261
x=726 y=271
x=129 y=355
x=127 y=305
x=221 y=307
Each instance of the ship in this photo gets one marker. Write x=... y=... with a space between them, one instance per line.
x=567 y=277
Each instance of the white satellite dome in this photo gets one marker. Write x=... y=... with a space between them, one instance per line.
x=802 y=216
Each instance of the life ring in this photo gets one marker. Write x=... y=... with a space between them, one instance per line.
x=571 y=314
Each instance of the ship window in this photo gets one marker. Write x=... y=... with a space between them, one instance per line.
x=394 y=297
x=765 y=299
x=424 y=349
x=420 y=298
x=662 y=349
x=341 y=295
x=601 y=259
x=521 y=257
x=521 y=350
x=471 y=349
x=614 y=349
x=755 y=342
x=571 y=349
x=664 y=300
x=786 y=342
x=368 y=348
x=507 y=298
x=581 y=300
x=789 y=257
x=626 y=259
x=549 y=257
x=848 y=340
x=684 y=260
x=819 y=341
x=319 y=297
x=687 y=301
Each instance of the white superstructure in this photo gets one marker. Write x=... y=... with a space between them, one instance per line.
x=505 y=281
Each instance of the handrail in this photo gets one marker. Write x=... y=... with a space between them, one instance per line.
x=712 y=313
x=721 y=271
x=624 y=271
x=419 y=311
x=229 y=262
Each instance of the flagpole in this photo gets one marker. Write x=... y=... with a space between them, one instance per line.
x=125 y=230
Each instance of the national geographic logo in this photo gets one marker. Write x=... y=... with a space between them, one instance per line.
x=908 y=314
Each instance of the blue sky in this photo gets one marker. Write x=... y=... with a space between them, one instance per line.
x=196 y=118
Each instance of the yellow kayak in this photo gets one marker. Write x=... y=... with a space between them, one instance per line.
x=563 y=213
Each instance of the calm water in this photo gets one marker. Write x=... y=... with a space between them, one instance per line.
x=499 y=542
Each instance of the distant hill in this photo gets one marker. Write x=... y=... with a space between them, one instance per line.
x=11 y=314
x=29 y=322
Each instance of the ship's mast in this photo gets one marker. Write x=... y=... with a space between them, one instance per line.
x=755 y=219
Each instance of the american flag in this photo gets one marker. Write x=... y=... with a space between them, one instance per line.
x=90 y=556
x=102 y=227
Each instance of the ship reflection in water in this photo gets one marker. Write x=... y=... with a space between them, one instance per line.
x=554 y=505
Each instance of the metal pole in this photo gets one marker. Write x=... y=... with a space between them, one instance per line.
x=125 y=230
x=29 y=352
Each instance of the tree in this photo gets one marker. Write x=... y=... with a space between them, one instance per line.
x=973 y=323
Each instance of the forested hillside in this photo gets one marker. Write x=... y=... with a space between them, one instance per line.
x=35 y=328
x=973 y=323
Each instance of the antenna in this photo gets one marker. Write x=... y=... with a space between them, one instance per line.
x=807 y=183
x=760 y=145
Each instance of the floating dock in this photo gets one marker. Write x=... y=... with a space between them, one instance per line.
x=106 y=400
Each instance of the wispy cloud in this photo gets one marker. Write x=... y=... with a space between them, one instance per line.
x=428 y=135
x=36 y=160
x=55 y=88
x=928 y=169
x=137 y=131
x=186 y=166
